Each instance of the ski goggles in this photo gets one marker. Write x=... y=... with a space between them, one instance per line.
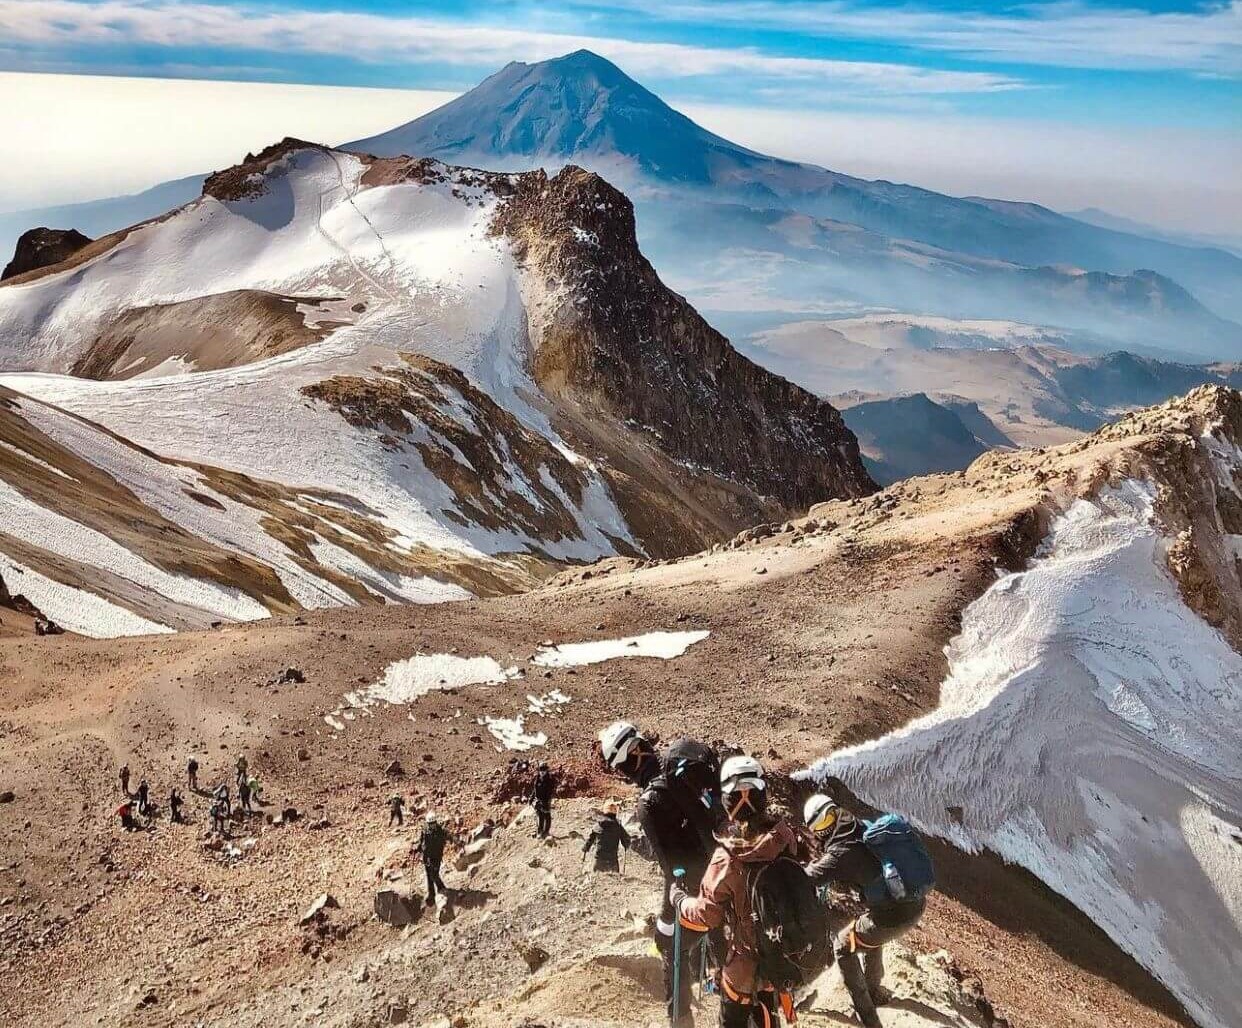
x=826 y=819
x=737 y=794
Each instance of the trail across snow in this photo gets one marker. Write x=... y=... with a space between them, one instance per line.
x=1090 y=731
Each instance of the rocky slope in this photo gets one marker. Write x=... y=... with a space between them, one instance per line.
x=381 y=380
x=794 y=640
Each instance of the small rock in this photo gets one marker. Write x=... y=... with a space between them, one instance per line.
x=398 y=907
x=8 y=796
x=303 y=754
x=534 y=955
x=324 y=901
x=394 y=769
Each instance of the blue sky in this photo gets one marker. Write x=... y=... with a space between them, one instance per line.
x=1115 y=67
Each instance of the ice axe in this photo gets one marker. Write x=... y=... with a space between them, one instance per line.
x=678 y=874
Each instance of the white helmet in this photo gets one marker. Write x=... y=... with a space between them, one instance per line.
x=431 y=816
x=742 y=785
x=819 y=812
x=826 y=819
x=616 y=741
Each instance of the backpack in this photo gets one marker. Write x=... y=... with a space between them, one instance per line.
x=791 y=924
x=908 y=873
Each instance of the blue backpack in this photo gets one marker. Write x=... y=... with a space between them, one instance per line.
x=908 y=873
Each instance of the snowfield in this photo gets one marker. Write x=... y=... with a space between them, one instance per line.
x=1089 y=730
x=407 y=268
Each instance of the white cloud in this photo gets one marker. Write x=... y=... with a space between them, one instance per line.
x=65 y=138
x=1071 y=34
x=79 y=25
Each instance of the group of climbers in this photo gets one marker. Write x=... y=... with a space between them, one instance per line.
x=745 y=890
x=219 y=812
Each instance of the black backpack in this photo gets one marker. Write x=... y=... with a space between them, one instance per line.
x=791 y=925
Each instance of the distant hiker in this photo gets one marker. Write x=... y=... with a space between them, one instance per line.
x=174 y=805
x=431 y=844
x=241 y=770
x=756 y=888
x=126 y=813
x=125 y=779
x=143 y=792
x=678 y=811
x=191 y=774
x=885 y=863
x=221 y=796
x=607 y=837
x=256 y=790
x=219 y=816
x=396 y=810
x=243 y=794
x=541 y=794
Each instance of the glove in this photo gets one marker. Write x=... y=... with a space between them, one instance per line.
x=677 y=896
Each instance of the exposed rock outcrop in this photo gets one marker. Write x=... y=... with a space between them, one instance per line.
x=43 y=247
x=610 y=335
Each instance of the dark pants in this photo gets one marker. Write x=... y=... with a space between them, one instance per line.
x=433 y=880
x=866 y=938
x=689 y=970
x=395 y=815
x=610 y=863
x=543 y=822
x=760 y=1013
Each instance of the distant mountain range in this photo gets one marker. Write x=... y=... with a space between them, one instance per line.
x=746 y=235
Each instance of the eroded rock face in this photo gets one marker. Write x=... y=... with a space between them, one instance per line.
x=43 y=247
x=611 y=335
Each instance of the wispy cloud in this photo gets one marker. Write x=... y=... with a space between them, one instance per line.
x=1072 y=34
x=78 y=25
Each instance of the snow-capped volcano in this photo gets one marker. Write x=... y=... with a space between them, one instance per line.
x=399 y=379
x=568 y=109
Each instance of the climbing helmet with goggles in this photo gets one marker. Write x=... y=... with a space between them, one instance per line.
x=820 y=813
x=617 y=742
x=742 y=785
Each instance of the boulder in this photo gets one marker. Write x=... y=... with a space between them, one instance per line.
x=322 y=902
x=43 y=247
x=8 y=796
x=394 y=769
x=398 y=907
x=471 y=854
x=398 y=1011
x=445 y=911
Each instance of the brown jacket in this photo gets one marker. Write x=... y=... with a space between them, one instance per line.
x=724 y=898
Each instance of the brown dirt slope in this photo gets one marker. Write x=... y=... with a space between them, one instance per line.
x=823 y=630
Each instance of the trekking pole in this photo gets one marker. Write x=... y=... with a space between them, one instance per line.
x=678 y=874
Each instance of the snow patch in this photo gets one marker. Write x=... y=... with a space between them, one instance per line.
x=511 y=733
x=664 y=645
x=407 y=680
x=1089 y=730
x=74 y=609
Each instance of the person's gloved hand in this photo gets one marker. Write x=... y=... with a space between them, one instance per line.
x=677 y=895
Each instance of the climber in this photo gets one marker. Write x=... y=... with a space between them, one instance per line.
x=219 y=816
x=606 y=837
x=678 y=810
x=241 y=770
x=125 y=779
x=754 y=839
x=126 y=813
x=541 y=794
x=243 y=792
x=144 y=792
x=191 y=774
x=396 y=810
x=886 y=865
x=221 y=796
x=175 y=803
x=431 y=845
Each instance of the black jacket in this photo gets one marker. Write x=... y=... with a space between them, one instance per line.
x=846 y=864
x=543 y=791
x=433 y=841
x=607 y=835
x=678 y=829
